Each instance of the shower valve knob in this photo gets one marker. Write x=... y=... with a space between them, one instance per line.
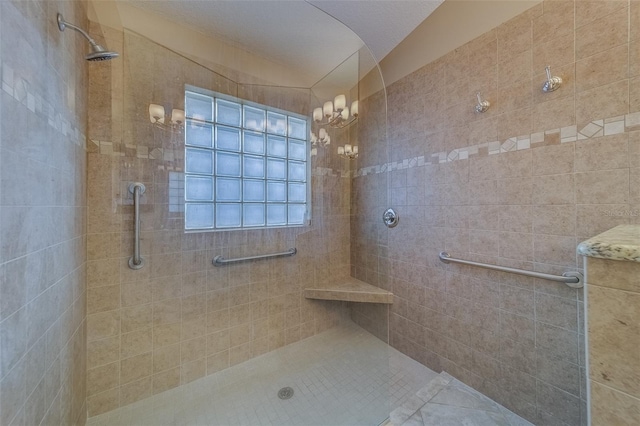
x=390 y=218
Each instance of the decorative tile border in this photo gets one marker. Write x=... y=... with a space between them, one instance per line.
x=593 y=130
x=22 y=91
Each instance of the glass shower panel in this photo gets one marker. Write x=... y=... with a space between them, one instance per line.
x=180 y=299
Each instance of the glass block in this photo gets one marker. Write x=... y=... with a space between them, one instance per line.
x=227 y=164
x=228 y=112
x=199 y=107
x=276 y=192
x=276 y=123
x=253 y=118
x=198 y=134
x=253 y=190
x=253 y=167
x=298 y=192
x=276 y=214
x=253 y=215
x=253 y=142
x=297 y=128
x=297 y=171
x=228 y=215
x=198 y=161
x=228 y=190
x=198 y=216
x=198 y=188
x=297 y=150
x=276 y=146
x=227 y=138
x=276 y=169
x=296 y=214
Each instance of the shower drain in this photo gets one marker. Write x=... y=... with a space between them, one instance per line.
x=285 y=393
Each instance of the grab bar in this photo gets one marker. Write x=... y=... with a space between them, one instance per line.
x=572 y=278
x=136 y=261
x=220 y=261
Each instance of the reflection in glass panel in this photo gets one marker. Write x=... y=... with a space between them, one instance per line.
x=253 y=167
x=199 y=161
x=199 y=134
x=253 y=190
x=276 y=123
x=296 y=214
x=276 y=214
x=297 y=128
x=297 y=192
x=276 y=192
x=297 y=150
x=276 y=168
x=228 y=215
x=297 y=171
x=198 y=188
x=276 y=146
x=227 y=138
x=198 y=216
x=199 y=107
x=253 y=215
x=253 y=118
x=228 y=189
x=228 y=164
x=228 y=113
x=253 y=142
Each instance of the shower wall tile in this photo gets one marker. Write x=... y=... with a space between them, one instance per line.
x=180 y=318
x=540 y=171
x=43 y=212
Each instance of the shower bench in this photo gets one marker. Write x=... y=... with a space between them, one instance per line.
x=350 y=290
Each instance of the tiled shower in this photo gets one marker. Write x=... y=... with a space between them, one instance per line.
x=519 y=185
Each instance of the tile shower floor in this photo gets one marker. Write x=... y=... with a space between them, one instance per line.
x=344 y=376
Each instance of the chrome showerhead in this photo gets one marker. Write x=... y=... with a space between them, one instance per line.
x=98 y=53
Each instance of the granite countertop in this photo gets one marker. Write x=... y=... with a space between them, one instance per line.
x=619 y=243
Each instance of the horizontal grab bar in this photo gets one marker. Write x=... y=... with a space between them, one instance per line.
x=220 y=261
x=572 y=279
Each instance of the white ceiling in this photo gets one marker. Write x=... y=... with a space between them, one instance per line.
x=299 y=33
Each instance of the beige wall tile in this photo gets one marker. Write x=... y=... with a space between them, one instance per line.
x=103 y=378
x=103 y=351
x=602 y=68
x=136 y=367
x=166 y=357
x=100 y=299
x=603 y=33
x=609 y=152
x=135 y=391
x=609 y=100
x=610 y=407
x=602 y=187
x=553 y=159
x=166 y=380
x=103 y=402
x=557 y=20
x=554 y=189
x=135 y=342
x=614 y=274
x=614 y=337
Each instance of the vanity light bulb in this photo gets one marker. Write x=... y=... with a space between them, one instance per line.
x=323 y=134
x=317 y=114
x=328 y=109
x=354 y=108
x=340 y=150
x=347 y=148
x=177 y=116
x=340 y=102
x=156 y=113
x=355 y=149
x=345 y=113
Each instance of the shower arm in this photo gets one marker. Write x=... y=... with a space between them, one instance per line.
x=62 y=24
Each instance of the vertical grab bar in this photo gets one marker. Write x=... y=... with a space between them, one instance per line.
x=136 y=261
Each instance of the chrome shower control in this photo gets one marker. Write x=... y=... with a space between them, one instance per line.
x=390 y=218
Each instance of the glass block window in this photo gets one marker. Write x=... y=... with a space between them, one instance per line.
x=246 y=165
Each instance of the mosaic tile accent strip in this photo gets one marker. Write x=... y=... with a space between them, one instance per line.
x=22 y=91
x=594 y=129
